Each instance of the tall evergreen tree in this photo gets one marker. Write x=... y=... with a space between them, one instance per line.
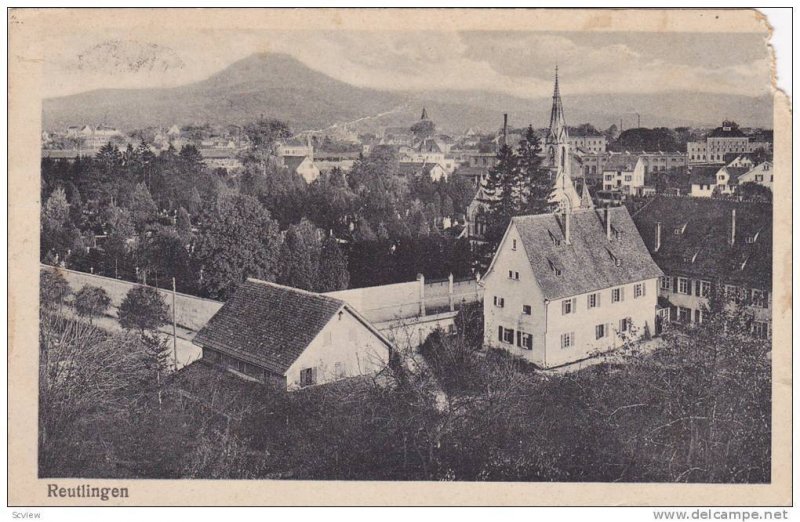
x=296 y=267
x=534 y=180
x=333 y=274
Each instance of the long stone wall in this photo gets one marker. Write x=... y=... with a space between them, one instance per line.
x=191 y=312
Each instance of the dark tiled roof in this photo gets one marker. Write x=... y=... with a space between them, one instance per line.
x=720 y=132
x=586 y=264
x=706 y=236
x=413 y=168
x=735 y=172
x=267 y=324
x=292 y=162
x=623 y=162
x=704 y=175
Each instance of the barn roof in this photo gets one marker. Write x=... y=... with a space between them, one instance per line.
x=591 y=261
x=268 y=324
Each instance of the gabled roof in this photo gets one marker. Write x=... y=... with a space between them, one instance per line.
x=623 y=162
x=705 y=236
x=735 y=173
x=587 y=263
x=413 y=168
x=268 y=324
x=704 y=174
x=292 y=162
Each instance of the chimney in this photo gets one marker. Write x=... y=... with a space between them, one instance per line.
x=608 y=223
x=733 y=227
x=310 y=147
x=658 y=236
x=505 y=129
x=567 y=226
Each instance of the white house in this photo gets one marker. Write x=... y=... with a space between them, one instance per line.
x=624 y=173
x=291 y=338
x=761 y=174
x=567 y=285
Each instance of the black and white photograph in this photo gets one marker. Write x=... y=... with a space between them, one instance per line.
x=343 y=253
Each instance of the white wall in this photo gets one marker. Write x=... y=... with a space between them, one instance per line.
x=515 y=293
x=582 y=322
x=346 y=341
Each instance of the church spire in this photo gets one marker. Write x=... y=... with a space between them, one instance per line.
x=424 y=114
x=557 y=122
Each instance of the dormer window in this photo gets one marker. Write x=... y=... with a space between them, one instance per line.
x=681 y=229
x=556 y=241
x=554 y=268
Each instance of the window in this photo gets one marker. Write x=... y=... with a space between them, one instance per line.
x=526 y=309
x=499 y=302
x=698 y=316
x=759 y=298
x=593 y=300
x=516 y=276
x=761 y=329
x=683 y=286
x=524 y=340
x=511 y=274
x=705 y=288
x=568 y=306
x=513 y=244
x=507 y=335
x=665 y=283
x=567 y=340
x=638 y=290
x=628 y=178
x=624 y=324
x=600 y=331
x=308 y=377
x=616 y=295
x=759 y=178
x=684 y=314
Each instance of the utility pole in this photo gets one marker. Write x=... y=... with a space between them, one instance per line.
x=174 y=330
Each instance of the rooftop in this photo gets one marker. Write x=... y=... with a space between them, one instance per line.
x=268 y=324
x=590 y=261
x=701 y=247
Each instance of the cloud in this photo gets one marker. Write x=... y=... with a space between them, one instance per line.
x=517 y=63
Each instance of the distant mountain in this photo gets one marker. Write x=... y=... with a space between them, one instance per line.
x=279 y=86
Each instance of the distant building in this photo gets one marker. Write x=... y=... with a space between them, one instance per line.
x=303 y=166
x=295 y=147
x=726 y=139
x=221 y=159
x=592 y=143
x=291 y=338
x=706 y=245
x=624 y=173
x=703 y=180
x=434 y=171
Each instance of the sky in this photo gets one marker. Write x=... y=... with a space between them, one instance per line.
x=516 y=63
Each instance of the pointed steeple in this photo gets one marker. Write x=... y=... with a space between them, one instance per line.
x=557 y=122
x=586 y=198
x=424 y=114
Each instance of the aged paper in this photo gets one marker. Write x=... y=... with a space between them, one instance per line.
x=58 y=54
